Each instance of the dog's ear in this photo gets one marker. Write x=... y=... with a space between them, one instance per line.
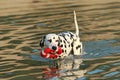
x=42 y=41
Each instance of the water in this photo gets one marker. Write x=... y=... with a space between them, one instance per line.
x=24 y=22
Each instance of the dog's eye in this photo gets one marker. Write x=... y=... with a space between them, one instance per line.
x=53 y=37
x=50 y=40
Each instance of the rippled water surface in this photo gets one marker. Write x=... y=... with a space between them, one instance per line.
x=24 y=22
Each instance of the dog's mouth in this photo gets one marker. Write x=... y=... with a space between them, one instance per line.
x=49 y=53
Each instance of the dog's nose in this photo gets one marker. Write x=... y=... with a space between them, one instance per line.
x=54 y=47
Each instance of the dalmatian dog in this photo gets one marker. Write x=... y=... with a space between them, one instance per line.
x=68 y=41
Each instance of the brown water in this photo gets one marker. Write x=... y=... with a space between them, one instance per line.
x=23 y=22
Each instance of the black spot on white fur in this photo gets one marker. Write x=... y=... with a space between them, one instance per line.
x=78 y=46
x=61 y=45
x=65 y=51
x=65 y=46
x=69 y=45
x=60 y=40
x=64 y=41
x=62 y=50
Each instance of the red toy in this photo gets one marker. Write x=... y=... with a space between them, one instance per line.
x=48 y=53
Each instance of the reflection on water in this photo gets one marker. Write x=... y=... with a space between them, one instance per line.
x=66 y=69
x=23 y=22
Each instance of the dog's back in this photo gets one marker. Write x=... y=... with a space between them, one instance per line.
x=70 y=42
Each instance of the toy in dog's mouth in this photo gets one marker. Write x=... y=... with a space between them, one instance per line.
x=49 y=53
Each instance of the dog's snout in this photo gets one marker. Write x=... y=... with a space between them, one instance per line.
x=54 y=47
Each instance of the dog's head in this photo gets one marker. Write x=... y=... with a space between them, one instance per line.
x=51 y=41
